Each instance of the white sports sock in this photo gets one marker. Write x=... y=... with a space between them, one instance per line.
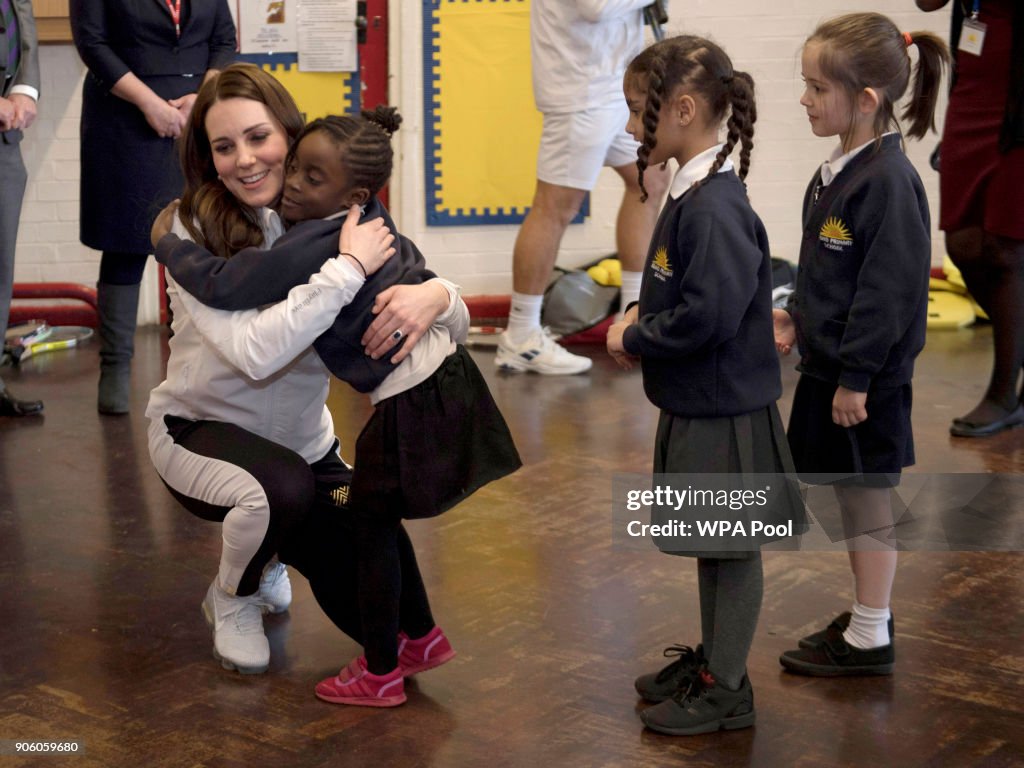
x=869 y=627
x=524 y=316
x=630 y=290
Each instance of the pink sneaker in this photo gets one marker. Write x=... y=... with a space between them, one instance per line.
x=431 y=650
x=356 y=685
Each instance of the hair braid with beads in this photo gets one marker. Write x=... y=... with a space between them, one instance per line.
x=695 y=65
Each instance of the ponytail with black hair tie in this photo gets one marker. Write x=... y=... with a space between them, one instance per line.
x=726 y=79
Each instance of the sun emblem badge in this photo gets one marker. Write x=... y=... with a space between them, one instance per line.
x=835 y=235
x=661 y=264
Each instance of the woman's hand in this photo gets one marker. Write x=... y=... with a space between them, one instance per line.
x=163 y=222
x=785 y=331
x=163 y=118
x=367 y=246
x=848 y=407
x=184 y=106
x=411 y=309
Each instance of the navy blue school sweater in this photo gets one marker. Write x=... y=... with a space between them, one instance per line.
x=861 y=301
x=704 y=333
x=254 y=277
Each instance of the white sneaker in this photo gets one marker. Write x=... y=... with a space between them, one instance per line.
x=237 y=624
x=276 y=587
x=539 y=353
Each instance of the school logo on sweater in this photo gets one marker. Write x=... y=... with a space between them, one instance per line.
x=660 y=265
x=340 y=495
x=834 y=234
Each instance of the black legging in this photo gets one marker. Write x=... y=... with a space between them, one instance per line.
x=219 y=470
x=311 y=526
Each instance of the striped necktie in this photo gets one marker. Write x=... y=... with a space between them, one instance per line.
x=9 y=21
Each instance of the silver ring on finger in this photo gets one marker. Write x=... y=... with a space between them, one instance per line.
x=397 y=335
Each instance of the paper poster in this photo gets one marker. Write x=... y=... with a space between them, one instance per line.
x=268 y=26
x=327 y=36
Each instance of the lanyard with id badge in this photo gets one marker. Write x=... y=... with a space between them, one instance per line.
x=972 y=38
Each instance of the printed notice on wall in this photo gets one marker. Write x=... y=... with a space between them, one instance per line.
x=268 y=26
x=327 y=36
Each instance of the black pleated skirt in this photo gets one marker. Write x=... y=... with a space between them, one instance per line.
x=428 y=448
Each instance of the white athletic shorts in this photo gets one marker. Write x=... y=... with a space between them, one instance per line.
x=574 y=146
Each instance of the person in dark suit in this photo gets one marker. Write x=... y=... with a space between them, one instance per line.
x=146 y=61
x=19 y=90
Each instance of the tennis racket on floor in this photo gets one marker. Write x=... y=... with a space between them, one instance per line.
x=60 y=337
x=25 y=333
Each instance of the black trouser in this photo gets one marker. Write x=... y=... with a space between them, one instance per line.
x=315 y=532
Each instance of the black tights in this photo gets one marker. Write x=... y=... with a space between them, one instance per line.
x=328 y=549
x=391 y=591
x=993 y=270
x=328 y=552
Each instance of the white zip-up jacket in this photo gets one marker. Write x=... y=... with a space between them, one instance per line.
x=241 y=367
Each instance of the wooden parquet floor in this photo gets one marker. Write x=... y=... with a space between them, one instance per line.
x=102 y=574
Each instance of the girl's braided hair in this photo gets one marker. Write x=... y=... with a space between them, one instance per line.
x=365 y=142
x=700 y=67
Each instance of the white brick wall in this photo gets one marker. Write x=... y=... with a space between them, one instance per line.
x=763 y=38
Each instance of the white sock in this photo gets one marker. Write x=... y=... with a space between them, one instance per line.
x=524 y=316
x=630 y=290
x=869 y=627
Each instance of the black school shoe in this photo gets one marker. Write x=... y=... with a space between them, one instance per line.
x=655 y=687
x=840 y=622
x=702 y=707
x=836 y=658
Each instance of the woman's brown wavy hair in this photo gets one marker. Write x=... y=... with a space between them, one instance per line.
x=213 y=216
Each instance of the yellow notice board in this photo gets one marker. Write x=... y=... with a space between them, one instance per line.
x=482 y=129
x=316 y=93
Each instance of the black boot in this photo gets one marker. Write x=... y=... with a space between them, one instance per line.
x=118 y=307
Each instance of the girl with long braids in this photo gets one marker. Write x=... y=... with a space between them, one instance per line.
x=435 y=436
x=703 y=333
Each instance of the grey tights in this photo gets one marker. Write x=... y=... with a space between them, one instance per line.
x=730 y=602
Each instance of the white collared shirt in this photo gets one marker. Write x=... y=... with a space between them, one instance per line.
x=697 y=168
x=839 y=160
